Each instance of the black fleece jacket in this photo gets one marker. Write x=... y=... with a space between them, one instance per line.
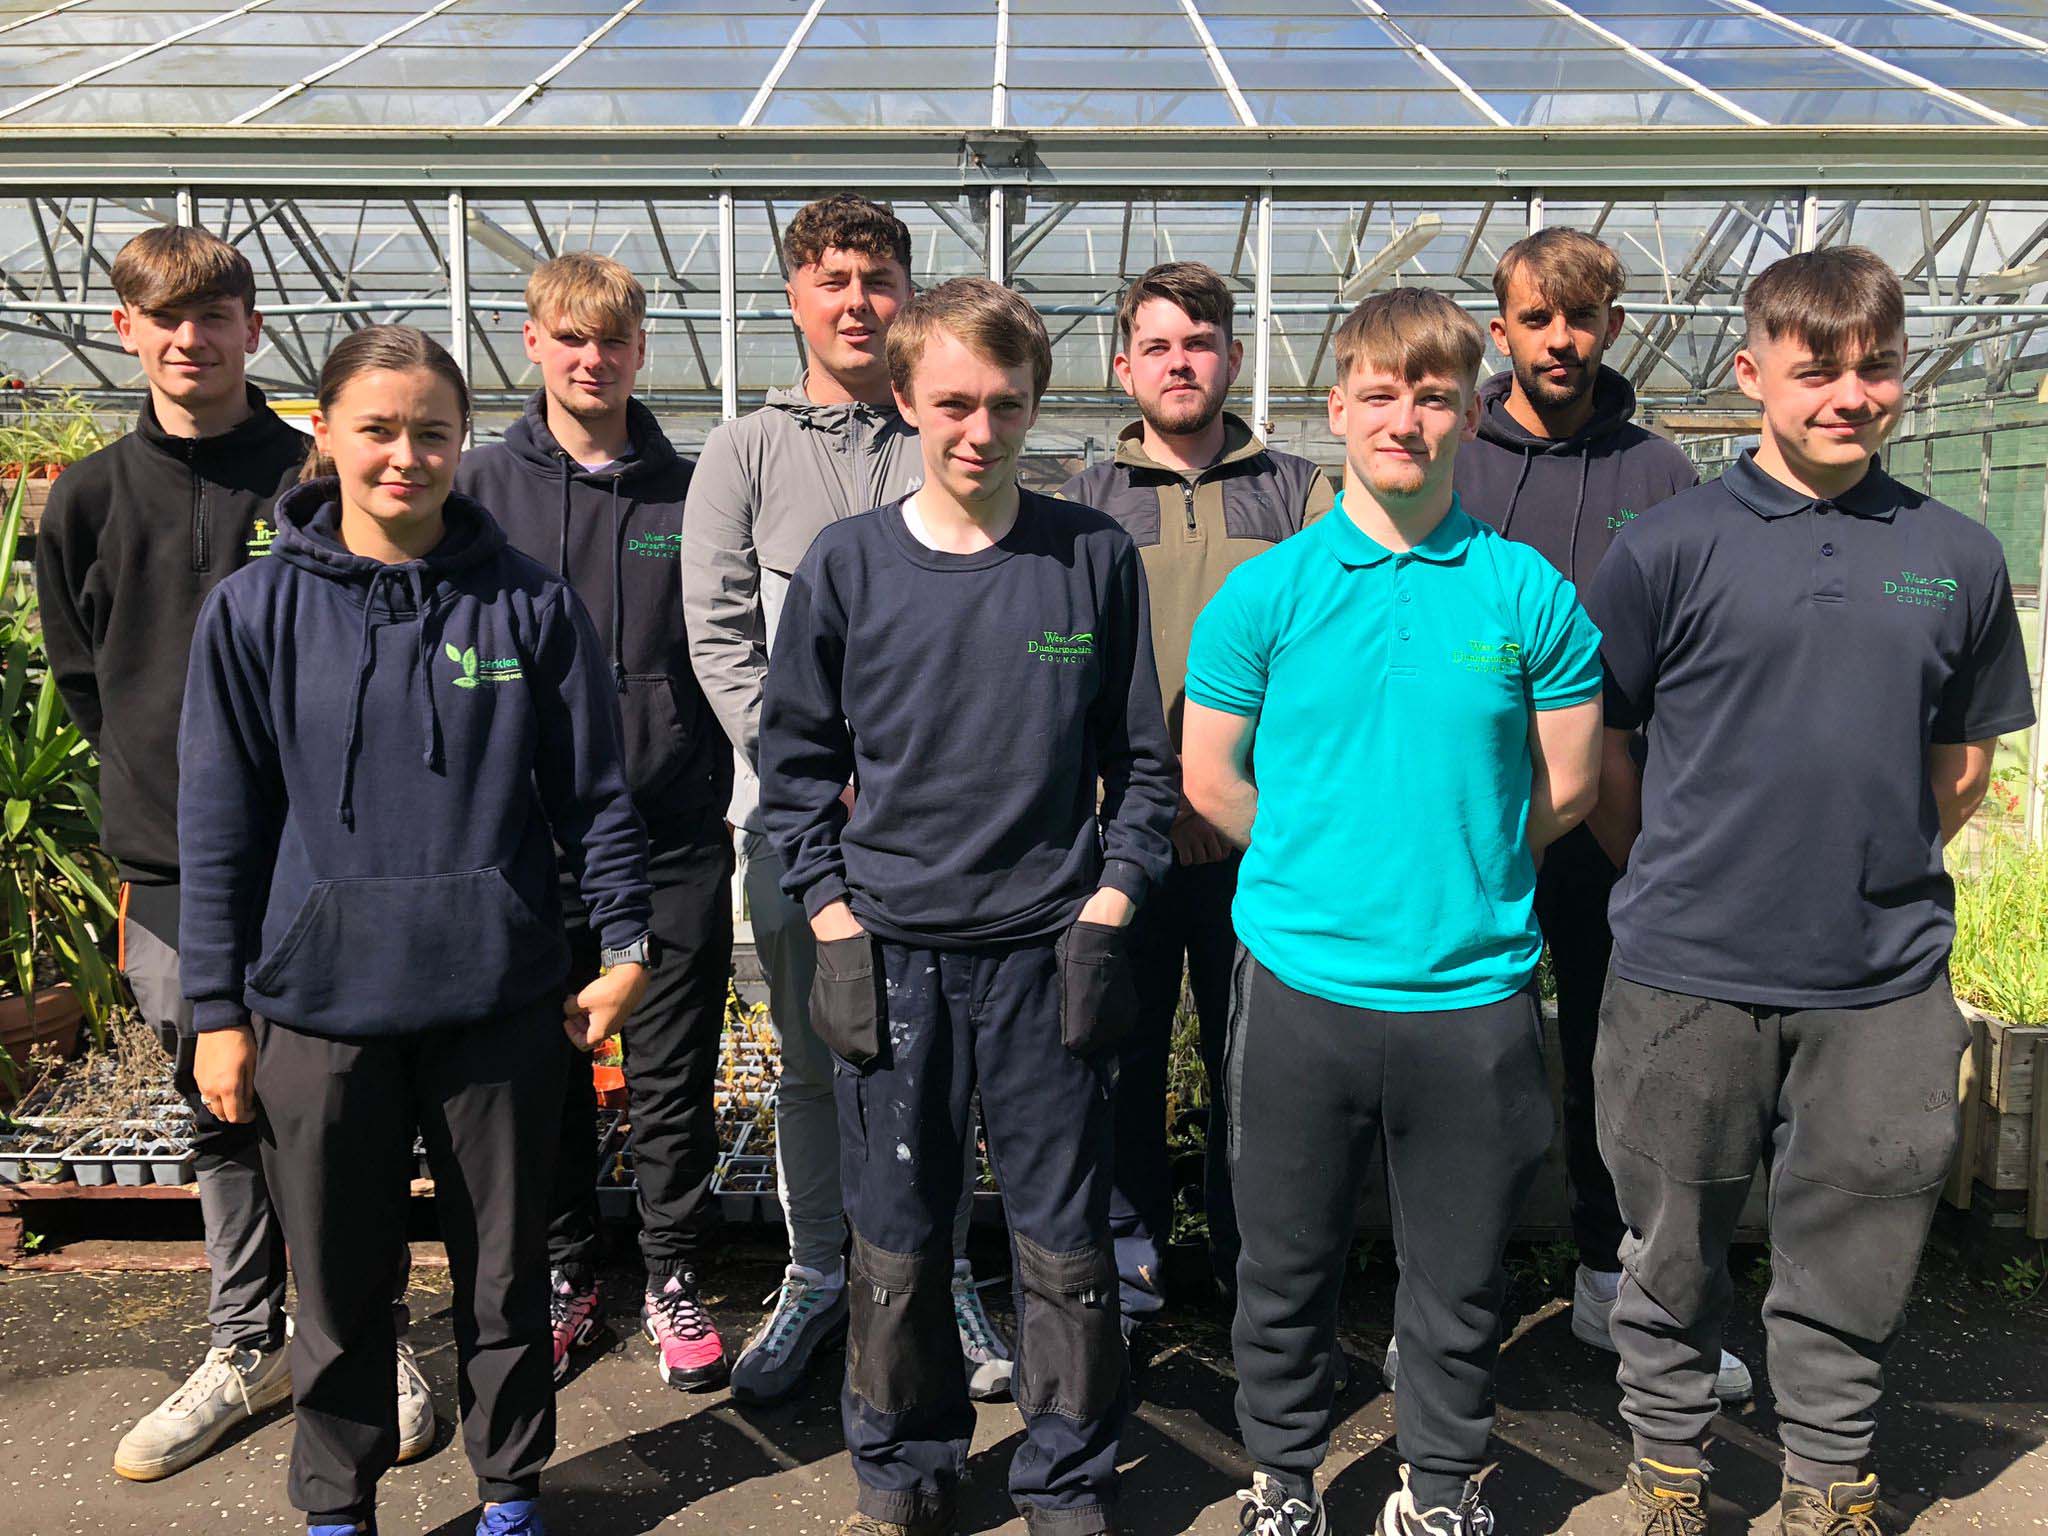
x=615 y=535
x=134 y=538
x=1568 y=496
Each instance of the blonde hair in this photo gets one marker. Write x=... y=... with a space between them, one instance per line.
x=985 y=317
x=1412 y=333
x=593 y=293
x=176 y=264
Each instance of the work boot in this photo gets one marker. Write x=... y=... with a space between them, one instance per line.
x=415 y=1407
x=1270 y=1510
x=1593 y=1293
x=868 y=1525
x=1401 y=1516
x=1666 y=1501
x=229 y=1386
x=1846 y=1509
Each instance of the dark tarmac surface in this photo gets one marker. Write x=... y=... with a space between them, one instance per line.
x=83 y=1355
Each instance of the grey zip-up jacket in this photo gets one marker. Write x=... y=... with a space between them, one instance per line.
x=764 y=487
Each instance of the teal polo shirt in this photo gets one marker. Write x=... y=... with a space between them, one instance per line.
x=1389 y=865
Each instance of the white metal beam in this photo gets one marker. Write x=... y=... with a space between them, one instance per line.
x=796 y=40
x=1219 y=66
x=458 y=280
x=341 y=63
x=728 y=310
x=1641 y=56
x=1872 y=61
x=1478 y=102
x=1981 y=24
x=129 y=58
x=44 y=15
x=540 y=82
x=999 y=94
x=1262 y=320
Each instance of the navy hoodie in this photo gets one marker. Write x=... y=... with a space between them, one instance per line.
x=615 y=534
x=376 y=762
x=1568 y=496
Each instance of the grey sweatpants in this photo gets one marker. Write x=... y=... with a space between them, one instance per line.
x=806 y=1118
x=1856 y=1110
x=244 y=1242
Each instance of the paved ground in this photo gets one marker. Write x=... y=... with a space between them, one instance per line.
x=82 y=1355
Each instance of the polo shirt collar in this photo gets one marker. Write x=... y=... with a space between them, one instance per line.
x=1876 y=496
x=1355 y=549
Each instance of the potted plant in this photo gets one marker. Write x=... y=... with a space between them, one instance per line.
x=46 y=435
x=56 y=887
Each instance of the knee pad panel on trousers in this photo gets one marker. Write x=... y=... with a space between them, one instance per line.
x=901 y=1344
x=1070 y=1353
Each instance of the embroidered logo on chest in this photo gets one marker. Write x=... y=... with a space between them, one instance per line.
x=655 y=546
x=1062 y=650
x=261 y=537
x=1488 y=656
x=1916 y=590
x=477 y=671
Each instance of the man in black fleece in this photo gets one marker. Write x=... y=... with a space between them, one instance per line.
x=1559 y=464
x=585 y=482
x=970 y=908
x=135 y=537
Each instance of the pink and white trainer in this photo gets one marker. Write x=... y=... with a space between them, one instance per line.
x=573 y=1314
x=692 y=1355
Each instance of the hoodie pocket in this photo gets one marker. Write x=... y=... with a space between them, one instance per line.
x=655 y=743
x=385 y=956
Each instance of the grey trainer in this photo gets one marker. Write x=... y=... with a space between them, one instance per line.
x=230 y=1386
x=1270 y=1510
x=1400 y=1516
x=415 y=1407
x=802 y=1318
x=982 y=1346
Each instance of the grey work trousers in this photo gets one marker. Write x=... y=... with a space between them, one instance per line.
x=806 y=1117
x=1856 y=1110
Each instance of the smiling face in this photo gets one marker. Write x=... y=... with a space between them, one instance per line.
x=1554 y=348
x=1824 y=416
x=194 y=353
x=844 y=303
x=1401 y=436
x=587 y=368
x=394 y=436
x=972 y=416
x=1177 y=368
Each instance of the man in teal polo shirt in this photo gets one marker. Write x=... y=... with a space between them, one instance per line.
x=1420 y=702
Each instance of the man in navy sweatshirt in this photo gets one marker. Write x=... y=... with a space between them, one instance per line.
x=970 y=910
x=1559 y=464
x=585 y=482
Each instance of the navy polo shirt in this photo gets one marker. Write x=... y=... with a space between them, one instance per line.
x=1791 y=661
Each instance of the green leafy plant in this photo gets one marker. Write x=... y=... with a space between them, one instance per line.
x=2001 y=953
x=58 y=431
x=56 y=887
x=2021 y=1280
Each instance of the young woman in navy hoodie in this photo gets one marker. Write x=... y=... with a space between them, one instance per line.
x=387 y=730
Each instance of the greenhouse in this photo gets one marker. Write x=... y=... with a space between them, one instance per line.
x=398 y=159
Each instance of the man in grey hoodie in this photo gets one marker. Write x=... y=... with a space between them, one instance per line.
x=1561 y=465
x=766 y=484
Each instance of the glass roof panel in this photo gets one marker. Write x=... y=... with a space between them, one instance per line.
x=641 y=30
x=900 y=32
x=1352 y=31
x=1507 y=33
x=1112 y=29
x=1882 y=33
x=132 y=28
x=96 y=103
x=24 y=70
x=890 y=69
x=1113 y=108
x=898 y=108
x=1902 y=107
x=1669 y=107
x=2027 y=106
x=399 y=65
x=341 y=30
x=1290 y=108
x=1552 y=70
x=1335 y=69
x=687 y=74
x=362 y=106
x=1086 y=69
x=202 y=65
x=1814 y=72
x=630 y=107
x=466 y=28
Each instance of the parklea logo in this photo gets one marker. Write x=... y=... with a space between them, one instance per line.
x=491 y=669
x=1062 y=650
x=1918 y=591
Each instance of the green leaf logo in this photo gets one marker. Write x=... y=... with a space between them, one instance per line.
x=453 y=654
x=467 y=661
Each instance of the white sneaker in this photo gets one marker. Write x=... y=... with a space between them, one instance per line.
x=1269 y=1510
x=982 y=1347
x=415 y=1407
x=229 y=1386
x=1400 y=1516
x=1593 y=1310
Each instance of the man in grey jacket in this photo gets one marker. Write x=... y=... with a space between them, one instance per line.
x=831 y=448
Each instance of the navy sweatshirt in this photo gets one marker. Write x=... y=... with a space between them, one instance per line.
x=974 y=701
x=615 y=534
x=1568 y=496
x=375 y=764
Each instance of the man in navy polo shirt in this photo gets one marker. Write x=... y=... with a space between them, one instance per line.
x=1421 y=698
x=1823 y=661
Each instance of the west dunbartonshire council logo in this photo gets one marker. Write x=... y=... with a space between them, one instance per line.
x=1918 y=591
x=1063 y=650
x=1497 y=656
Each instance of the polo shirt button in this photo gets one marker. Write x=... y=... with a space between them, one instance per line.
x=1404 y=597
x=1404 y=634
x=1827 y=549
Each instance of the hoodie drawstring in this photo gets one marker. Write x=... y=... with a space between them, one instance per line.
x=1508 y=518
x=618 y=593
x=562 y=560
x=430 y=714
x=1571 y=560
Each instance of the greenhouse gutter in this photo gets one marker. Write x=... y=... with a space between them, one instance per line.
x=1300 y=163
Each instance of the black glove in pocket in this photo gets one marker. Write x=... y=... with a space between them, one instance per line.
x=846 y=998
x=1098 y=998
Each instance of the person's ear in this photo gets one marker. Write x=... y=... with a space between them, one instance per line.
x=1236 y=359
x=1748 y=376
x=124 y=328
x=1497 y=327
x=1120 y=365
x=1616 y=316
x=529 y=333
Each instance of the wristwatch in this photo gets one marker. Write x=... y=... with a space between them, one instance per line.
x=639 y=952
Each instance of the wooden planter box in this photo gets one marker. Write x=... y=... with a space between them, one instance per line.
x=2004 y=1148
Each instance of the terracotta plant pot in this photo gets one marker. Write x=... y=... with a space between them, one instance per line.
x=58 y=1019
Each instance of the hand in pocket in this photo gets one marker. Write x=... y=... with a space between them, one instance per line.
x=846 y=998
x=1098 y=998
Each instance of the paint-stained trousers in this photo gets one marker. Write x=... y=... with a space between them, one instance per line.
x=947 y=1021
x=1856 y=1109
